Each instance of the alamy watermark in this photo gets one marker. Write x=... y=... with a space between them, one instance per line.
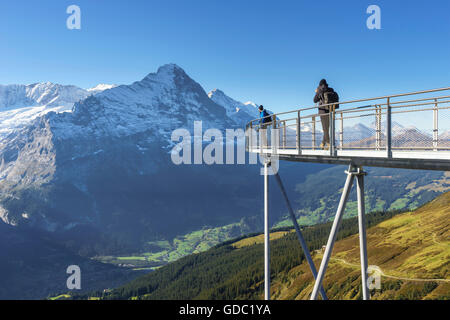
x=374 y=279
x=74 y=20
x=74 y=280
x=374 y=20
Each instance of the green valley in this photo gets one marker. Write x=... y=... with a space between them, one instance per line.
x=164 y=251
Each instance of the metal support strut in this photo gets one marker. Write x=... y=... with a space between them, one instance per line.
x=351 y=173
x=299 y=234
x=362 y=232
x=266 y=232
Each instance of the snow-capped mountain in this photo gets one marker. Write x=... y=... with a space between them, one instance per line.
x=397 y=128
x=20 y=104
x=154 y=107
x=107 y=163
x=445 y=135
x=101 y=87
x=238 y=111
x=39 y=94
x=357 y=132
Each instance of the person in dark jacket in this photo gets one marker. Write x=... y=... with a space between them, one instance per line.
x=266 y=120
x=264 y=115
x=324 y=112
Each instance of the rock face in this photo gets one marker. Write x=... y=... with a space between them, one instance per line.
x=105 y=166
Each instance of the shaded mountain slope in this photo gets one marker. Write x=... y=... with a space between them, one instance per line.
x=33 y=265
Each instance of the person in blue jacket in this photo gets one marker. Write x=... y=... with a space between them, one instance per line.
x=266 y=121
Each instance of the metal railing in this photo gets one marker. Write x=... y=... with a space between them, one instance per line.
x=417 y=121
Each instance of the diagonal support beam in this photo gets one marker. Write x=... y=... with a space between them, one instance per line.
x=334 y=231
x=299 y=234
x=359 y=174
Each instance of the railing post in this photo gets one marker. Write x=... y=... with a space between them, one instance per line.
x=389 y=129
x=280 y=136
x=435 y=126
x=341 y=134
x=378 y=127
x=248 y=129
x=299 y=146
x=275 y=137
x=332 y=134
x=262 y=131
x=314 y=133
x=284 y=134
x=274 y=126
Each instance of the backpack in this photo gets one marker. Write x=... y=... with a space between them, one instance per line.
x=330 y=97
x=266 y=114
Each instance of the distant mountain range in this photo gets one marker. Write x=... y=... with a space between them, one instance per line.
x=102 y=160
x=360 y=135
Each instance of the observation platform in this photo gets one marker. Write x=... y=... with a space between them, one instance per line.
x=410 y=131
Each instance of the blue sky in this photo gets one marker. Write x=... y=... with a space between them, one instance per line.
x=271 y=52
